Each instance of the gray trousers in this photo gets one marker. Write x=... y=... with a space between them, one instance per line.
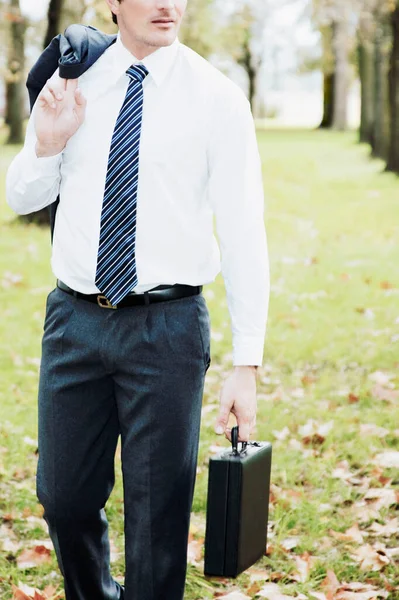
x=137 y=372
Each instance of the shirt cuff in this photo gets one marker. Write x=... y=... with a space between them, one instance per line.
x=36 y=168
x=248 y=351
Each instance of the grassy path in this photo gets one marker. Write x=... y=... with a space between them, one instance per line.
x=328 y=392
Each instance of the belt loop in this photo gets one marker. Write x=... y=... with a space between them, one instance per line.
x=146 y=298
x=75 y=293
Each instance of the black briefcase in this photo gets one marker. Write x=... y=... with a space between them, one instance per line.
x=237 y=507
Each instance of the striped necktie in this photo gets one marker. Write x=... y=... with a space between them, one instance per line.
x=116 y=273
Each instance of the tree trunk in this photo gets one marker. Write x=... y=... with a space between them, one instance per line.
x=341 y=55
x=393 y=155
x=72 y=12
x=381 y=124
x=246 y=61
x=366 y=73
x=53 y=20
x=328 y=100
x=15 y=88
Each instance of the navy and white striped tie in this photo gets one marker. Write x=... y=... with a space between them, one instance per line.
x=116 y=273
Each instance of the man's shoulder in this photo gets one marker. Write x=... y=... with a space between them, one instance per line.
x=211 y=77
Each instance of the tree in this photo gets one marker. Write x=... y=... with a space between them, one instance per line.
x=328 y=68
x=53 y=20
x=198 y=29
x=366 y=49
x=333 y=16
x=382 y=48
x=15 y=74
x=72 y=12
x=340 y=33
x=393 y=155
x=243 y=39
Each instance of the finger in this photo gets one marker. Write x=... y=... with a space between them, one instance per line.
x=57 y=93
x=253 y=424
x=79 y=98
x=47 y=98
x=59 y=83
x=71 y=85
x=243 y=430
x=222 y=418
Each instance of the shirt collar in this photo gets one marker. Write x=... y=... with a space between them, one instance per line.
x=158 y=63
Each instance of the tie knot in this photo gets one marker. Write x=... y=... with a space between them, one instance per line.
x=137 y=72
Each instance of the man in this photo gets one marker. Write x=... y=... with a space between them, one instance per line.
x=142 y=151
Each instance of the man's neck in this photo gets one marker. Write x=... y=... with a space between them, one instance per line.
x=138 y=50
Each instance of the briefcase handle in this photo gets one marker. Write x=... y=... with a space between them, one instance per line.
x=234 y=441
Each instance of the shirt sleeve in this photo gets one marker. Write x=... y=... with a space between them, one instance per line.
x=32 y=183
x=237 y=198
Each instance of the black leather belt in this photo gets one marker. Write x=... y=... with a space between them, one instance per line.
x=161 y=293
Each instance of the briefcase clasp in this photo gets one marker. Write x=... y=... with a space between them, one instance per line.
x=234 y=442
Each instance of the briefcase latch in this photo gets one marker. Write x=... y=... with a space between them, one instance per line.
x=234 y=442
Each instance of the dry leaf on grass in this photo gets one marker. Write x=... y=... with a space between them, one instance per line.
x=390 y=528
x=330 y=583
x=371 y=558
x=304 y=565
x=32 y=557
x=357 y=590
x=272 y=591
x=381 y=378
x=290 y=542
x=385 y=497
x=318 y=595
x=194 y=549
x=353 y=534
x=234 y=596
x=372 y=429
x=382 y=393
x=24 y=592
x=389 y=459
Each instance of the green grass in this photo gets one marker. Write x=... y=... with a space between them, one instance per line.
x=333 y=227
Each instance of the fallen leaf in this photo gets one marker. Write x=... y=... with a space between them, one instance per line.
x=256 y=574
x=194 y=549
x=372 y=429
x=389 y=459
x=22 y=592
x=371 y=558
x=385 y=496
x=353 y=398
x=390 y=528
x=330 y=583
x=282 y=434
x=32 y=557
x=304 y=565
x=386 y=285
x=234 y=596
x=348 y=595
x=380 y=377
x=272 y=591
x=382 y=393
x=290 y=542
x=353 y=534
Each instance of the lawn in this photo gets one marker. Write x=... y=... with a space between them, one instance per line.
x=328 y=392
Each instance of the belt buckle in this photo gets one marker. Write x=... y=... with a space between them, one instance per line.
x=104 y=302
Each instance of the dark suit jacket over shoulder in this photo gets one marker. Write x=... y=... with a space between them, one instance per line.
x=73 y=52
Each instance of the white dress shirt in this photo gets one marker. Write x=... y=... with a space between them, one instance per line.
x=198 y=158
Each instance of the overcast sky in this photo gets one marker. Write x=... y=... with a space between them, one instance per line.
x=35 y=9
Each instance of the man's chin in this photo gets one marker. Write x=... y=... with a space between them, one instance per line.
x=163 y=38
